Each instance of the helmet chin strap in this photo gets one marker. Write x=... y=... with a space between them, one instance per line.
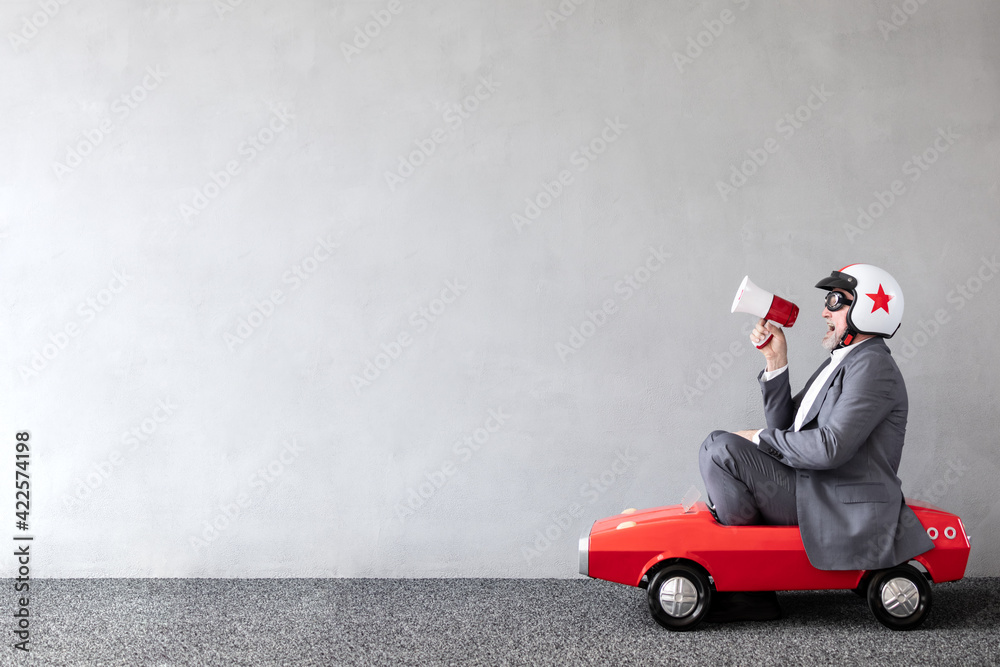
x=848 y=337
x=851 y=333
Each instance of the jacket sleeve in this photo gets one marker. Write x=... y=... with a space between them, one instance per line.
x=779 y=406
x=868 y=394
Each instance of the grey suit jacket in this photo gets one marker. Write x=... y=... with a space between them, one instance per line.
x=849 y=499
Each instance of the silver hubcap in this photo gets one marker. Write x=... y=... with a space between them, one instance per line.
x=678 y=596
x=900 y=597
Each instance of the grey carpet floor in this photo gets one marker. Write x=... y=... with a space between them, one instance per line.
x=469 y=622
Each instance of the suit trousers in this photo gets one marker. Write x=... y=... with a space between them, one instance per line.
x=746 y=486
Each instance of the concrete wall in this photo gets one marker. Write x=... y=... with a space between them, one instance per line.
x=286 y=299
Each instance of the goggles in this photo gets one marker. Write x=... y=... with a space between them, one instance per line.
x=836 y=300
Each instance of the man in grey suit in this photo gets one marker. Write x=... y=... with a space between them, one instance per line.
x=828 y=458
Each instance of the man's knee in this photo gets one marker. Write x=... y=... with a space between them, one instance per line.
x=708 y=450
x=720 y=445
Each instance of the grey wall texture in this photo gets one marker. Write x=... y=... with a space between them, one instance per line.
x=399 y=288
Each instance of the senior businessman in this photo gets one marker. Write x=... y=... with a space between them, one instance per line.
x=828 y=458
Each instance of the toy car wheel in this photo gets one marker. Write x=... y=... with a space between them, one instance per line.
x=679 y=597
x=900 y=597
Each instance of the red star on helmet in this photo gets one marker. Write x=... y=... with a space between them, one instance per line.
x=881 y=299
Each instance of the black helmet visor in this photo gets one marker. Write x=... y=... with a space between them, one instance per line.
x=838 y=280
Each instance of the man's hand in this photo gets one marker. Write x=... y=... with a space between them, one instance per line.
x=747 y=434
x=776 y=350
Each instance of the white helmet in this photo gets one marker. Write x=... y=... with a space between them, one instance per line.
x=878 y=301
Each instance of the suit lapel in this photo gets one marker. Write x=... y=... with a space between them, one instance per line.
x=824 y=390
x=802 y=394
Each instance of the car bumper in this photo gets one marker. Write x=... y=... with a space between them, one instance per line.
x=585 y=553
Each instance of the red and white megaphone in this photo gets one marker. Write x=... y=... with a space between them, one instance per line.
x=756 y=301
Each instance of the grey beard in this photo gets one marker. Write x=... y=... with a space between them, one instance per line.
x=830 y=342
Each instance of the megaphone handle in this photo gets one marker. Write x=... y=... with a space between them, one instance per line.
x=765 y=341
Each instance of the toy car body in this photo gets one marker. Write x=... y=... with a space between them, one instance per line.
x=682 y=557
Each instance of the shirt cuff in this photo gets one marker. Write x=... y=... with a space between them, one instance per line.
x=756 y=436
x=770 y=375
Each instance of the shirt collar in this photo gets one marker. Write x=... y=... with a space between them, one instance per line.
x=841 y=352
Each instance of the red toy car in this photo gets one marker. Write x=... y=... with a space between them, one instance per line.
x=682 y=557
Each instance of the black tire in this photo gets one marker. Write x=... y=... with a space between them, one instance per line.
x=900 y=597
x=679 y=596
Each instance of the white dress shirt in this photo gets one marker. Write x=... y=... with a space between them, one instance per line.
x=836 y=358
